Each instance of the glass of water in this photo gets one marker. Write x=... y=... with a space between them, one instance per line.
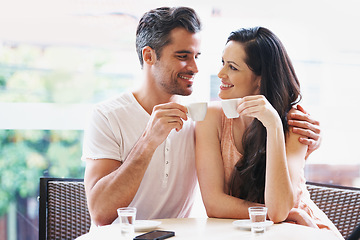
x=127 y=217
x=257 y=217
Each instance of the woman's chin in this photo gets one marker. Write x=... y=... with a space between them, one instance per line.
x=227 y=96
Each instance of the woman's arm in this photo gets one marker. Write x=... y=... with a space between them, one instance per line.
x=283 y=172
x=282 y=161
x=210 y=170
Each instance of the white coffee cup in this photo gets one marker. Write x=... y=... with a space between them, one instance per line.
x=229 y=107
x=197 y=111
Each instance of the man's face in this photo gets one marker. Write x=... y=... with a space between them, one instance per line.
x=175 y=70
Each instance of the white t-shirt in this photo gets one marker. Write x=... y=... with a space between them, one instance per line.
x=167 y=188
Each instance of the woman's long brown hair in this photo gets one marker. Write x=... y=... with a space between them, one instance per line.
x=266 y=57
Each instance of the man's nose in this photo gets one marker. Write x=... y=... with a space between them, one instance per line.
x=192 y=65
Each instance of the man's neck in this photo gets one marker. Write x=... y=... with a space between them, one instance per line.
x=149 y=97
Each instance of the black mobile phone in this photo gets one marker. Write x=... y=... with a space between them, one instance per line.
x=155 y=235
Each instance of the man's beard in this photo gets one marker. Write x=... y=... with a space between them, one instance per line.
x=175 y=88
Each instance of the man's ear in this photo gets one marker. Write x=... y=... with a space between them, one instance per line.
x=149 y=56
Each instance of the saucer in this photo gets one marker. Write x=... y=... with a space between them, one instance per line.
x=246 y=223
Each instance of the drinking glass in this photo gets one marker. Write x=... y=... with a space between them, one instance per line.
x=127 y=217
x=257 y=217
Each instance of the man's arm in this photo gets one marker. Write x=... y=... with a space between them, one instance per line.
x=309 y=128
x=110 y=184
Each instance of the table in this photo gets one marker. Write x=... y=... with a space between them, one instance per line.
x=216 y=229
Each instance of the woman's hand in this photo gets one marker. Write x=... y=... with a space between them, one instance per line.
x=258 y=106
x=300 y=217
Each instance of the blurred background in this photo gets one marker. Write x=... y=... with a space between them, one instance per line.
x=58 y=57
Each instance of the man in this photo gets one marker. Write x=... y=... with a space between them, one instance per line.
x=139 y=147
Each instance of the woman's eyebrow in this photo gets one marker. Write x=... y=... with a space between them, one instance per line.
x=233 y=63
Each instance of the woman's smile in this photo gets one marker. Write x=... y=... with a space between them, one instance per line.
x=224 y=86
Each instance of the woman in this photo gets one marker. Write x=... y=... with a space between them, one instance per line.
x=255 y=159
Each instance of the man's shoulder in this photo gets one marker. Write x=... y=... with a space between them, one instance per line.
x=115 y=103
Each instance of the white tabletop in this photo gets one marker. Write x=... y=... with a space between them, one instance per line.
x=217 y=229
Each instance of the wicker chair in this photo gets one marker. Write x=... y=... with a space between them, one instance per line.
x=355 y=235
x=341 y=204
x=63 y=212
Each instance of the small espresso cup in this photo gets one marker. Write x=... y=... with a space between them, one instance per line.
x=229 y=107
x=197 y=111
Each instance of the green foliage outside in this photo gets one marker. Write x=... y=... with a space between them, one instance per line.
x=26 y=155
x=59 y=75
x=35 y=74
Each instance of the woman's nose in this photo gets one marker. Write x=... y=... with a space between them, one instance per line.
x=221 y=73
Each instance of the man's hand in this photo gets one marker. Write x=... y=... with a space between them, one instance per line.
x=306 y=126
x=163 y=119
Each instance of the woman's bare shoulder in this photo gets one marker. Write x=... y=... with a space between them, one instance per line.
x=292 y=138
x=214 y=112
x=212 y=118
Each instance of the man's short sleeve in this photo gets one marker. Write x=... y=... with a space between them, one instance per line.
x=99 y=137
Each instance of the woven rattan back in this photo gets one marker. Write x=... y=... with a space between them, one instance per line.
x=340 y=204
x=66 y=214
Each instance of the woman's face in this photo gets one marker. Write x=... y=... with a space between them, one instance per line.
x=237 y=80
